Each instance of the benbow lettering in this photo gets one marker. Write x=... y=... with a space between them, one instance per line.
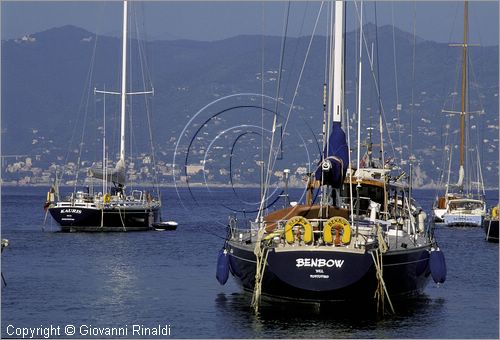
x=318 y=263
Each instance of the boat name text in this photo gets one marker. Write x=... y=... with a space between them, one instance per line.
x=319 y=263
x=71 y=211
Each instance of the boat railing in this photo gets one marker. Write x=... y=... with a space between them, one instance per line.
x=275 y=233
x=76 y=204
x=364 y=203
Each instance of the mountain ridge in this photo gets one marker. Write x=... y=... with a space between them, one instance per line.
x=44 y=75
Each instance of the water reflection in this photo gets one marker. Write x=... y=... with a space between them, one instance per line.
x=314 y=320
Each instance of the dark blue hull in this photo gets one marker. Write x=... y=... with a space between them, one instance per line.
x=76 y=219
x=331 y=276
x=491 y=229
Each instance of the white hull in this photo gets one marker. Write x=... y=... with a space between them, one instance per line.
x=463 y=219
x=439 y=214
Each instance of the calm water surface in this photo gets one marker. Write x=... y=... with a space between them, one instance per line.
x=168 y=278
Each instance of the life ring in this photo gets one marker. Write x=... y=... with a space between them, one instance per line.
x=338 y=223
x=302 y=222
x=494 y=212
x=107 y=198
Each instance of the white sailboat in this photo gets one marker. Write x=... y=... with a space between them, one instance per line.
x=460 y=206
x=114 y=209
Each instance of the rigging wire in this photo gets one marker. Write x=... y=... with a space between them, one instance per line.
x=282 y=55
x=84 y=98
x=449 y=93
x=299 y=80
x=271 y=161
x=398 y=105
x=262 y=84
x=479 y=130
x=375 y=84
x=412 y=109
x=382 y=156
x=147 y=75
x=359 y=55
x=325 y=84
x=297 y=45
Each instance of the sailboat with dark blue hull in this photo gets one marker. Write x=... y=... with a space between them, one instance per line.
x=112 y=208
x=330 y=275
x=366 y=240
x=91 y=213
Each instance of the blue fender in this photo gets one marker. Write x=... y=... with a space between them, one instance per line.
x=222 y=267
x=438 y=266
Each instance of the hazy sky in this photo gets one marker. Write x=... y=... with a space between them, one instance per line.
x=207 y=20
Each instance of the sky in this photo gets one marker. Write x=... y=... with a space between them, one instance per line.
x=207 y=20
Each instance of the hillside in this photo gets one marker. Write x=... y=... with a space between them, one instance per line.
x=48 y=79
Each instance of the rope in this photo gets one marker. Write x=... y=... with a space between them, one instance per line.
x=102 y=215
x=381 y=242
x=260 y=267
x=121 y=218
x=381 y=290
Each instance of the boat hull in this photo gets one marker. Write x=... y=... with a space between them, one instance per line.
x=311 y=275
x=490 y=227
x=439 y=215
x=463 y=220
x=169 y=225
x=85 y=219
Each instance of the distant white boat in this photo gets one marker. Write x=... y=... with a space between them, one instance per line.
x=464 y=212
x=461 y=205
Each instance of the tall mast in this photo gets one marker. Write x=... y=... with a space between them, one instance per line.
x=124 y=83
x=359 y=84
x=338 y=62
x=464 y=89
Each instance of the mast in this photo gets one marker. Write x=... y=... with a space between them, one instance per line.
x=463 y=95
x=359 y=84
x=335 y=83
x=104 y=162
x=338 y=62
x=358 y=160
x=124 y=83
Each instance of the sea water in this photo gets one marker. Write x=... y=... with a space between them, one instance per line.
x=162 y=284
